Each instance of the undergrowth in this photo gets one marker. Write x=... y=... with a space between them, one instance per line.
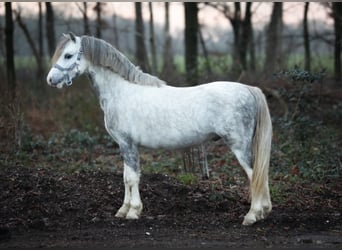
x=303 y=149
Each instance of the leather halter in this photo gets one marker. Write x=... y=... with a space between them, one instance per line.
x=66 y=70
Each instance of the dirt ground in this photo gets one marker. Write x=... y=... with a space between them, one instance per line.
x=42 y=208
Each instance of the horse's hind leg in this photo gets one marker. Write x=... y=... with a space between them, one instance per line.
x=243 y=153
x=132 y=205
x=260 y=203
x=245 y=159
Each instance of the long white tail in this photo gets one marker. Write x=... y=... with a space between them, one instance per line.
x=261 y=144
x=261 y=202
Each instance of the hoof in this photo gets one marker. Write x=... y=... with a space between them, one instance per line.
x=249 y=220
x=132 y=216
x=122 y=212
x=134 y=213
x=254 y=216
x=120 y=215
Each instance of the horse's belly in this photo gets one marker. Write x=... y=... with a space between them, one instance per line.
x=173 y=140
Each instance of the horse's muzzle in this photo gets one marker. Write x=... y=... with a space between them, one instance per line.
x=58 y=80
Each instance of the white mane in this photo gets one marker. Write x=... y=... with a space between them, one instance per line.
x=101 y=53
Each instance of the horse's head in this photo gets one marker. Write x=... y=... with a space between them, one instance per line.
x=67 y=62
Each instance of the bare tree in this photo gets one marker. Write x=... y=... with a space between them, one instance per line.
x=337 y=15
x=40 y=31
x=273 y=39
x=242 y=33
x=10 y=67
x=205 y=52
x=168 y=65
x=235 y=21
x=246 y=35
x=191 y=32
x=35 y=50
x=41 y=67
x=236 y=24
x=152 y=41
x=116 y=33
x=307 y=55
x=140 y=48
x=98 y=10
x=251 y=50
x=2 y=49
x=335 y=11
x=84 y=11
x=50 y=28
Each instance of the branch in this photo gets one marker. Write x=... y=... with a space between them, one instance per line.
x=223 y=8
x=80 y=8
x=28 y=37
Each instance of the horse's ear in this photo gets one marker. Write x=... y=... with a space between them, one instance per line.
x=72 y=37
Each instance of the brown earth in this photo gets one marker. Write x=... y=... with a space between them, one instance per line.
x=43 y=208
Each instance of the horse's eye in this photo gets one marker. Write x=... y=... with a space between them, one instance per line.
x=67 y=56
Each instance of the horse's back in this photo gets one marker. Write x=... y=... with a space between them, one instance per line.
x=213 y=92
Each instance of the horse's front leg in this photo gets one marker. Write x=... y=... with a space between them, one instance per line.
x=132 y=205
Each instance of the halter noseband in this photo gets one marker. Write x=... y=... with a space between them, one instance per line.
x=65 y=71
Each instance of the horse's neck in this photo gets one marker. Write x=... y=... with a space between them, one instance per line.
x=106 y=83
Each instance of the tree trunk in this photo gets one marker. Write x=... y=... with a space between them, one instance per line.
x=242 y=34
x=2 y=51
x=50 y=28
x=251 y=49
x=245 y=38
x=307 y=55
x=205 y=53
x=337 y=15
x=116 y=33
x=32 y=44
x=168 y=65
x=191 y=31
x=84 y=11
x=236 y=24
x=273 y=59
x=10 y=68
x=86 y=28
x=154 y=68
x=140 y=48
x=40 y=44
x=40 y=31
x=98 y=9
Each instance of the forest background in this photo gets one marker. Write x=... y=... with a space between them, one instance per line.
x=53 y=142
x=184 y=44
